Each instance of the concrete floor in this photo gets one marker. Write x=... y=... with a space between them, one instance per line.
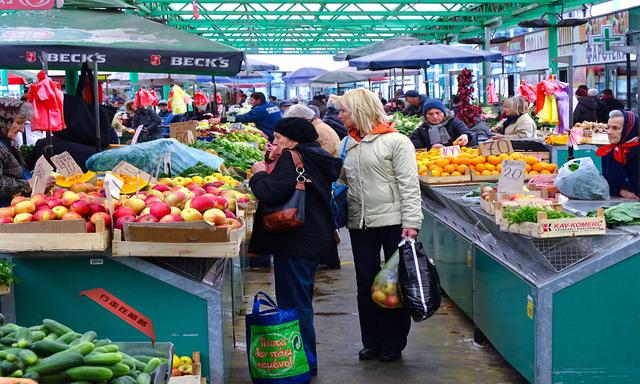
x=440 y=349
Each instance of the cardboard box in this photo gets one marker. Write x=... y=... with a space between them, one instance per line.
x=552 y=228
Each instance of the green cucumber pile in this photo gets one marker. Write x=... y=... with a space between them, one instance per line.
x=53 y=353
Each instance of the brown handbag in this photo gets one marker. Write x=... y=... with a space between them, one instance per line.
x=289 y=215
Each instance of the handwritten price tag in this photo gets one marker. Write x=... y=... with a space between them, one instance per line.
x=450 y=151
x=184 y=132
x=41 y=174
x=113 y=185
x=65 y=165
x=512 y=176
x=124 y=168
x=495 y=147
x=137 y=134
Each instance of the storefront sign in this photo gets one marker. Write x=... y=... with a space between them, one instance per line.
x=121 y=309
x=601 y=34
x=26 y=5
x=537 y=54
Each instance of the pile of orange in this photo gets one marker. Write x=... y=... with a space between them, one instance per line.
x=432 y=163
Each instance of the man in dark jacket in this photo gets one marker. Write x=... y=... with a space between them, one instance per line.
x=611 y=102
x=152 y=124
x=297 y=252
x=585 y=109
x=414 y=103
x=265 y=115
x=441 y=128
x=332 y=120
x=319 y=101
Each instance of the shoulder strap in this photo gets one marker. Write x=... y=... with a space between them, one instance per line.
x=343 y=153
x=299 y=166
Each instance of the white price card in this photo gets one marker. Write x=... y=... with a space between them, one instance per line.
x=40 y=176
x=66 y=165
x=450 y=151
x=113 y=185
x=511 y=176
x=137 y=134
x=124 y=168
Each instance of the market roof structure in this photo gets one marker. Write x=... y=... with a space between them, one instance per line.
x=331 y=26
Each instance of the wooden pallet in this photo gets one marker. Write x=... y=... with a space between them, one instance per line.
x=182 y=239
x=552 y=228
x=53 y=236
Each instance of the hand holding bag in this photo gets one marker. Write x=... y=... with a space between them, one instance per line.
x=419 y=281
x=289 y=215
x=338 y=204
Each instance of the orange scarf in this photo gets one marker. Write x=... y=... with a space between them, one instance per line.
x=379 y=129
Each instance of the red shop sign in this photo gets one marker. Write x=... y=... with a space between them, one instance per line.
x=26 y=5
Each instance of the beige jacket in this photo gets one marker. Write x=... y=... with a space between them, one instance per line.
x=382 y=177
x=327 y=137
x=523 y=128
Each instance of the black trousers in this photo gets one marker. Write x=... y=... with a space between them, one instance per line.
x=381 y=328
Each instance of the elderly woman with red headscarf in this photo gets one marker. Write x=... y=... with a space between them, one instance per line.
x=620 y=158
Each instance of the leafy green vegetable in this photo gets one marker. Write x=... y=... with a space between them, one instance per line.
x=235 y=154
x=406 y=124
x=199 y=169
x=622 y=214
x=25 y=150
x=6 y=273
x=529 y=214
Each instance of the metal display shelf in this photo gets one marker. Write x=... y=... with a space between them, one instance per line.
x=540 y=301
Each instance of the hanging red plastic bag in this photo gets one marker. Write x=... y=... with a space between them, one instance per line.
x=199 y=98
x=145 y=99
x=46 y=97
x=527 y=91
x=492 y=96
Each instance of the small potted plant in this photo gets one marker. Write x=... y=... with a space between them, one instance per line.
x=7 y=277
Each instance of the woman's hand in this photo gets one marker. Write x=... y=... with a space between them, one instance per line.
x=463 y=140
x=274 y=151
x=260 y=166
x=409 y=232
x=497 y=136
x=438 y=146
x=628 y=195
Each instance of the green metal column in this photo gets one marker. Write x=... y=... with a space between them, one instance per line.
x=166 y=88
x=553 y=43
x=4 y=79
x=133 y=77
x=71 y=82
x=486 y=67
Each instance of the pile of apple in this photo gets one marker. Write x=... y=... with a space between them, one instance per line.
x=181 y=366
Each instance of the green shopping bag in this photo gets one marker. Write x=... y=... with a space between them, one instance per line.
x=274 y=344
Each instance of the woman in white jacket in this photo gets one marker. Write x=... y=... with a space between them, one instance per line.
x=518 y=124
x=384 y=207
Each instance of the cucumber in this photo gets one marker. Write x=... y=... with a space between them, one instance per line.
x=108 y=348
x=80 y=382
x=26 y=355
x=111 y=358
x=48 y=347
x=17 y=373
x=88 y=336
x=101 y=342
x=7 y=367
x=138 y=365
x=57 y=362
x=56 y=327
x=22 y=335
x=32 y=375
x=1 y=319
x=51 y=336
x=68 y=337
x=119 y=369
x=143 y=378
x=8 y=341
x=8 y=328
x=89 y=373
x=11 y=357
x=123 y=380
x=143 y=358
x=152 y=365
x=84 y=348
x=36 y=336
x=52 y=379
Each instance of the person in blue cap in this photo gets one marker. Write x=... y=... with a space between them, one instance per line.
x=440 y=128
x=264 y=114
x=414 y=101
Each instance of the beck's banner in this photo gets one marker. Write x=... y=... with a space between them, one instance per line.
x=121 y=309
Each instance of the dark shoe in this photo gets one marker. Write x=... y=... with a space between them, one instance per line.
x=314 y=372
x=390 y=356
x=368 y=354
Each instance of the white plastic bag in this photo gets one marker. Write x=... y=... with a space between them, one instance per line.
x=580 y=179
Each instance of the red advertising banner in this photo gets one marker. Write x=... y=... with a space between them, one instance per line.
x=26 y=5
x=122 y=310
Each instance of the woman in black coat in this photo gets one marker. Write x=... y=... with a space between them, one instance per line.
x=585 y=110
x=152 y=124
x=440 y=128
x=297 y=253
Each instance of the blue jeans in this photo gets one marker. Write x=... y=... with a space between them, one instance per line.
x=295 y=278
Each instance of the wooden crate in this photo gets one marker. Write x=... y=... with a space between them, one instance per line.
x=53 y=236
x=475 y=176
x=196 y=378
x=5 y=289
x=180 y=239
x=430 y=179
x=553 y=228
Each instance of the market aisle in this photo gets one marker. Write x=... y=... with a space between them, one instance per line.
x=440 y=350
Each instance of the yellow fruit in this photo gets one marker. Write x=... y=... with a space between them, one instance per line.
x=490 y=167
x=444 y=174
x=530 y=160
x=486 y=173
x=495 y=173
x=545 y=172
x=436 y=173
x=442 y=162
x=185 y=360
x=450 y=168
x=456 y=173
x=499 y=168
x=462 y=169
x=66 y=182
x=516 y=156
x=527 y=168
x=480 y=168
x=176 y=361
x=495 y=160
x=197 y=179
x=537 y=167
x=533 y=173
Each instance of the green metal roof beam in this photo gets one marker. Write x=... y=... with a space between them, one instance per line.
x=361 y=1
x=328 y=13
x=409 y=24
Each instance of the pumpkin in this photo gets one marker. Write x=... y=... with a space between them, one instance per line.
x=131 y=184
x=66 y=182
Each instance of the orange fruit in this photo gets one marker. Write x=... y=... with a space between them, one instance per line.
x=450 y=159
x=422 y=171
x=479 y=160
x=530 y=159
x=533 y=173
x=456 y=173
x=537 y=167
x=480 y=168
x=450 y=168
x=504 y=156
x=495 y=173
x=490 y=166
x=435 y=173
x=499 y=168
x=516 y=156
x=462 y=169
x=551 y=167
x=495 y=160
x=486 y=173
x=444 y=174
x=527 y=168
x=442 y=162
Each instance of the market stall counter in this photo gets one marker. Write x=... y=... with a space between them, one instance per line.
x=559 y=309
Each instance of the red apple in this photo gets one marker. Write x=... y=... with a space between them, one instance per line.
x=160 y=210
x=124 y=219
x=135 y=203
x=7 y=212
x=59 y=210
x=54 y=202
x=58 y=193
x=176 y=199
x=97 y=208
x=39 y=199
x=147 y=219
x=81 y=207
x=156 y=193
x=101 y=216
x=89 y=227
x=391 y=301
x=23 y=218
x=6 y=220
x=44 y=214
x=171 y=218
x=25 y=206
x=231 y=203
x=69 y=197
x=213 y=190
x=123 y=211
x=233 y=223
x=175 y=211
x=220 y=203
x=190 y=214
x=151 y=200
x=197 y=191
x=160 y=187
x=215 y=216
x=202 y=203
x=17 y=199
x=229 y=214
x=71 y=216
x=243 y=198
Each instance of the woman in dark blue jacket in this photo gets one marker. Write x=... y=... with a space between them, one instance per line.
x=620 y=158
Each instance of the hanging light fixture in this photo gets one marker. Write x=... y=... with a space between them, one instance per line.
x=544 y=23
x=471 y=40
x=500 y=39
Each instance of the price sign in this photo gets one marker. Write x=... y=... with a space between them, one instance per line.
x=512 y=176
x=185 y=132
x=495 y=147
x=450 y=151
x=65 y=165
x=113 y=184
x=41 y=174
x=137 y=134
x=124 y=168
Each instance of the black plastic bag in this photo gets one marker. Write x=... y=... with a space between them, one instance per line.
x=419 y=281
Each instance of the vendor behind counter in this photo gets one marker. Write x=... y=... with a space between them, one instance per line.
x=620 y=158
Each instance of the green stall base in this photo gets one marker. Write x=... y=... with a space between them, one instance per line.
x=560 y=155
x=192 y=315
